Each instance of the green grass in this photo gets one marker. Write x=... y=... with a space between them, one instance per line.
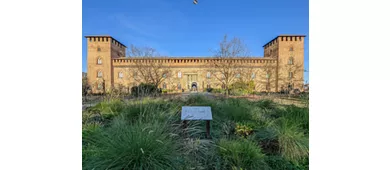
x=241 y=153
x=147 y=134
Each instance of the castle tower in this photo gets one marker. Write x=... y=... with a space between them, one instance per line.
x=289 y=52
x=100 y=52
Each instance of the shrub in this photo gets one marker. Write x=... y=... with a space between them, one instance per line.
x=241 y=153
x=164 y=91
x=145 y=90
x=241 y=88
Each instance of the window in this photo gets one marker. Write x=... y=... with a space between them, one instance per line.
x=165 y=75
x=290 y=75
x=99 y=61
x=268 y=86
x=179 y=74
x=253 y=76
x=100 y=86
x=208 y=75
x=291 y=61
x=99 y=49
x=100 y=74
x=238 y=75
x=291 y=49
x=267 y=76
x=135 y=75
x=164 y=85
x=120 y=75
x=179 y=86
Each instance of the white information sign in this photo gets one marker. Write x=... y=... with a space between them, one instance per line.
x=196 y=113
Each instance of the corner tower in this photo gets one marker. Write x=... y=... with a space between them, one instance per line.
x=289 y=52
x=100 y=52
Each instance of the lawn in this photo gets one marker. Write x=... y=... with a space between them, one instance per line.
x=148 y=134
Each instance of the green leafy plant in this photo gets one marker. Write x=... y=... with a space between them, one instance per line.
x=243 y=130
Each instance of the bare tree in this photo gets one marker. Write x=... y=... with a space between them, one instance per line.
x=267 y=77
x=227 y=61
x=149 y=66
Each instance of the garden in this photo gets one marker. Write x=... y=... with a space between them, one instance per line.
x=147 y=133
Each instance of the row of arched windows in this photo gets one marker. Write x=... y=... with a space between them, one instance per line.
x=120 y=75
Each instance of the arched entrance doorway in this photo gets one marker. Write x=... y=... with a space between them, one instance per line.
x=194 y=86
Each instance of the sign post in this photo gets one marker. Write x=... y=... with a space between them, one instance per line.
x=197 y=113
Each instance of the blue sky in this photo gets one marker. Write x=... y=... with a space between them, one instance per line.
x=180 y=28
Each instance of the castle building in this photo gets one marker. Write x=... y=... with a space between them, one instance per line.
x=282 y=67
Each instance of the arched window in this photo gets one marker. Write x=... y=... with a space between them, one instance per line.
x=208 y=75
x=179 y=86
x=135 y=75
x=99 y=61
x=99 y=74
x=179 y=74
x=290 y=75
x=238 y=75
x=99 y=49
x=165 y=75
x=253 y=76
x=291 y=61
x=164 y=85
x=120 y=75
x=291 y=49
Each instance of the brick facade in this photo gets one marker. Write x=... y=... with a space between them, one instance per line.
x=280 y=68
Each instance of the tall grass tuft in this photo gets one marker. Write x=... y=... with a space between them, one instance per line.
x=297 y=115
x=293 y=144
x=241 y=153
x=135 y=146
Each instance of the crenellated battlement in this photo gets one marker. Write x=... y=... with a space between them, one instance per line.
x=105 y=38
x=193 y=60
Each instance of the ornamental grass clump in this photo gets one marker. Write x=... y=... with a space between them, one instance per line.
x=134 y=146
x=241 y=153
